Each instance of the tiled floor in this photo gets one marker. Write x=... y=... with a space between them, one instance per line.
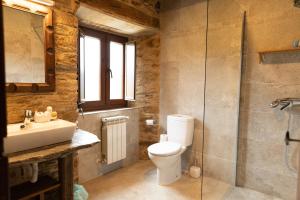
x=245 y=194
x=138 y=182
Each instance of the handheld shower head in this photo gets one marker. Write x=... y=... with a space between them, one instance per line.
x=286 y=105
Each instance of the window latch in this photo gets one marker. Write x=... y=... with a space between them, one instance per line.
x=110 y=72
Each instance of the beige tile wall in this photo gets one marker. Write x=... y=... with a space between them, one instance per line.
x=182 y=65
x=271 y=25
x=89 y=165
x=182 y=79
x=222 y=89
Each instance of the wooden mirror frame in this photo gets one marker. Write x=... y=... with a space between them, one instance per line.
x=49 y=52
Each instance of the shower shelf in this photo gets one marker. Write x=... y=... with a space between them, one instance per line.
x=280 y=56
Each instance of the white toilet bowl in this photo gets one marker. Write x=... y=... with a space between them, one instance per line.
x=166 y=155
x=167 y=158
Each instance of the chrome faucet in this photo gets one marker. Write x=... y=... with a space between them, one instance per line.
x=27 y=119
x=80 y=109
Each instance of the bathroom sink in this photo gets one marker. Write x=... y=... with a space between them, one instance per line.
x=37 y=135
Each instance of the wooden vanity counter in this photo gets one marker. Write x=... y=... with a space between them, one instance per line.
x=64 y=153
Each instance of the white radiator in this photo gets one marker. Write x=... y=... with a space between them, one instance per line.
x=113 y=139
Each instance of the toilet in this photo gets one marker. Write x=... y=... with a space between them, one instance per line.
x=166 y=155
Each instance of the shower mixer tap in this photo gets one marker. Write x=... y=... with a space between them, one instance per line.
x=285 y=102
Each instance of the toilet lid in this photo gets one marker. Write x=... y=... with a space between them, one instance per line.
x=164 y=149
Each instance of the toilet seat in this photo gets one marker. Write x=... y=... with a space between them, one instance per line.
x=164 y=149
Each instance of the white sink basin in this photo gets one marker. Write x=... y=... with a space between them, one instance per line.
x=37 y=135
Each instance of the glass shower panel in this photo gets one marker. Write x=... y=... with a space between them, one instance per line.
x=223 y=74
x=244 y=149
x=182 y=64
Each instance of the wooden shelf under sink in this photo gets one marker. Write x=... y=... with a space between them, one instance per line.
x=280 y=56
x=37 y=190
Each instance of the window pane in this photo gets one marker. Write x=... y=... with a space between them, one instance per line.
x=116 y=66
x=91 y=70
x=130 y=71
x=81 y=68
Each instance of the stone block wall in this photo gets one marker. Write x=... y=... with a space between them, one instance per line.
x=147 y=89
x=64 y=99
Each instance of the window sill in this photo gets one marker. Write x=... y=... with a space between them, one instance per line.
x=110 y=110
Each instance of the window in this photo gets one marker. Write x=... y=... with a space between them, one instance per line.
x=106 y=70
x=130 y=71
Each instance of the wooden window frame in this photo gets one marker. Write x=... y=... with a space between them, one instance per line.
x=105 y=102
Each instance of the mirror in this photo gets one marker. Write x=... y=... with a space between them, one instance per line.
x=24 y=46
x=29 y=50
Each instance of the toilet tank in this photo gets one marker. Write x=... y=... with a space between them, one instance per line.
x=180 y=129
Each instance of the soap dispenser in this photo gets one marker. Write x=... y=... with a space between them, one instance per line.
x=28 y=117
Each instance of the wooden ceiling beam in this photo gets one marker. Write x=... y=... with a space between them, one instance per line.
x=122 y=11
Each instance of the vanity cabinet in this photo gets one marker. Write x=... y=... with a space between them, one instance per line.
x=46 y=187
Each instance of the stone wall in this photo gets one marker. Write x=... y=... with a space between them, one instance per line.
x=64 y=98
x=147 y=89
